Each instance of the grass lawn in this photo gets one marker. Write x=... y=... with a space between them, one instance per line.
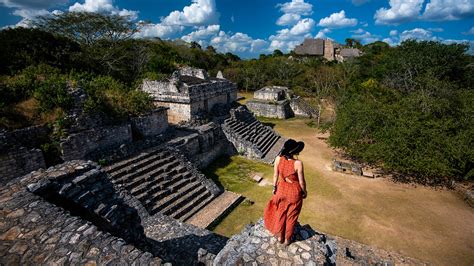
x=235 y=174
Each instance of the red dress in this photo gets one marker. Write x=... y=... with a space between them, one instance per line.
x=282 y=210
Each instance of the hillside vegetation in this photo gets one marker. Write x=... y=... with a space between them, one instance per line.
x=407 y=108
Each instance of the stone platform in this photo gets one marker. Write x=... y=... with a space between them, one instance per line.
x=256 y=246
x=214 y=211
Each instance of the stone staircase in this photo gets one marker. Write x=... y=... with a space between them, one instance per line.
x=304 y=106
x=164 y=182
x=251 y=137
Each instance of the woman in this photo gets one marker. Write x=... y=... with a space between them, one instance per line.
x=289 y=190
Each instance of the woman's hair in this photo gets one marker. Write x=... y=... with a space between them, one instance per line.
x=291 y=147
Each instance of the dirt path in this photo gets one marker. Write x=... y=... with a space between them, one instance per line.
x=432 y=225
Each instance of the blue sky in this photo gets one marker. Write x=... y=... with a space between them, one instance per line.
x=251 y=27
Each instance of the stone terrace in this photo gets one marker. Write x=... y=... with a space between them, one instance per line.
x=164 y=183
x=251 y=137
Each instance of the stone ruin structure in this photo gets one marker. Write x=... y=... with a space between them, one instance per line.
x=278 y=102
x=326 y=49
x=147 y=203
x=348 y=168
x=250 y=137
x=190 y=92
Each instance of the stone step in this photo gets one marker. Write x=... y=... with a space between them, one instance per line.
x=270 y=156
x=264 y=139
x=270 y=144
x=160 y=190
x=164 y=202
x=140 y=179
x=122 y=164
x=196 y=209
x=164 y=164
x=218 y=208
x=159 y=177
x=176 y=205
x=137 y=165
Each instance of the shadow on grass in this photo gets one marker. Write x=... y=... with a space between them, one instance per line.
x=211 y=170
x=269 y=124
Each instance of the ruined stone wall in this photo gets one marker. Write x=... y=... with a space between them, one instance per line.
x=328 y=50
x=177 y=112
x=280 y=109
x=152 y=124
x=19 y=161
x=269 y=95
x=203 y=145
x=19 y=153
x=80 y=145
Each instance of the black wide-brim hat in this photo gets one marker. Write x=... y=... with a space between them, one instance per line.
x=292 y=146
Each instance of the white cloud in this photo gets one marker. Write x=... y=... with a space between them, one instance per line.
x=469 y=32
x=288 y=19
x=322 y=34
x=417 y=34
x=28 y=10
x=32 y=4
x=287 y=39
x=202 y=34
x=223 y=42
x=199 y=13
x=293 y=11
x=159 y=30
x=296 y=7
x=364 y=36
x=399 y=11
x=302 y=27
x=337 y=20
x=448 y=9
x=237 y=43
x=393 y=33
x=102 y=6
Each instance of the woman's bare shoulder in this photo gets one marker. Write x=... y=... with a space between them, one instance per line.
x=298 y=163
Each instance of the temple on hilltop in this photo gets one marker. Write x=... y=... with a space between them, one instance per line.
x=190 y=92
x=327 y=49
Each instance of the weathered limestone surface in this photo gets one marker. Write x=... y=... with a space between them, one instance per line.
x=80 y=145
x=19 y=153
x=73 y=214
x=190 y=92
x=182 y=243
x=250 y=137
x=35 y=229
x=164 y=182
x=149 y=125
x=255 y=246
x=278 y=102
x=19 y=161
x=273 y=109
x=302 y=108
x=213 y=213
x=202 y=144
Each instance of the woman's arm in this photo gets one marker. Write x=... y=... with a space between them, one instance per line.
x=275 y=173
x=299 y=169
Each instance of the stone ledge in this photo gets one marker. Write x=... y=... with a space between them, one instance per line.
x=255 y=246
x=216 y=210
